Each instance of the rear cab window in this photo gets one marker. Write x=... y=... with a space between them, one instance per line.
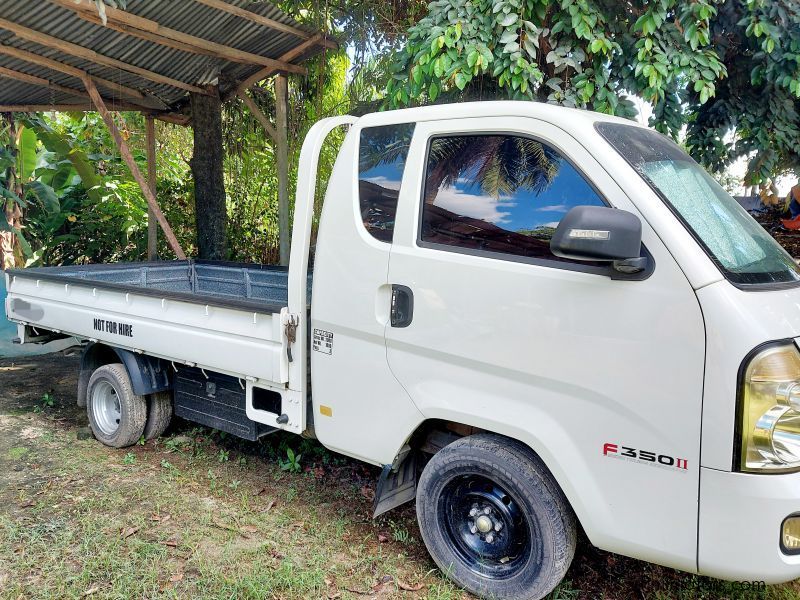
x=381 y=161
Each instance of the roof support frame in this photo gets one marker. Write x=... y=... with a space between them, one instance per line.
x=265 y=21
x=266 y=72
x=41 y=81
x=87 y=54
x=151 y=31
x=66 y=69
x=166 y=117
x=259 y=115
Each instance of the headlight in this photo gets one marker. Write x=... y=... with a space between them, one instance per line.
x=770 y=395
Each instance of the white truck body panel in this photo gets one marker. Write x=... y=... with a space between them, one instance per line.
x=184 y=332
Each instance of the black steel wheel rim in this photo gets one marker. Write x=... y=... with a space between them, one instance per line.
x=485 y=526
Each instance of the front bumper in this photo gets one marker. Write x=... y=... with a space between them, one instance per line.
x=740 y=525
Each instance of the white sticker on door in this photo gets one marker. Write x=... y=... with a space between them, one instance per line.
x=323 y=341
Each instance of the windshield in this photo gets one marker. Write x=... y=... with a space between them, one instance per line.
x=740 y=247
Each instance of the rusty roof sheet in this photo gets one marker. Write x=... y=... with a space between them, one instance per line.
x=186 y=16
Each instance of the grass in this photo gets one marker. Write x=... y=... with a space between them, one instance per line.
x=201 y=515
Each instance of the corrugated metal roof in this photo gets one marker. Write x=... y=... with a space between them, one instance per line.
x=187 y=16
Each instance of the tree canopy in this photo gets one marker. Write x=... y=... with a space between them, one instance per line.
x=712 y=69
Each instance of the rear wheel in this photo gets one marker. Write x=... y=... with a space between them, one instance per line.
x=117 y=416
x=494 y=519
x=159 y=414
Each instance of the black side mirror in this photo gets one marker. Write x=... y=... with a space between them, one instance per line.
x=600 y=233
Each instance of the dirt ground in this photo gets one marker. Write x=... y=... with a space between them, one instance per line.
x=197 y=514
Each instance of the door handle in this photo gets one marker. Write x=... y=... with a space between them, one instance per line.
x=402 y=311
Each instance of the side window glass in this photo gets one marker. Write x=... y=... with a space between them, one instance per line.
x=499 y=193
x=381 y=159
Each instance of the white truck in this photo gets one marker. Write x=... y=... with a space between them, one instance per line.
x=533 y=318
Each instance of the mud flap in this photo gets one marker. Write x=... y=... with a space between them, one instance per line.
x=397 y=485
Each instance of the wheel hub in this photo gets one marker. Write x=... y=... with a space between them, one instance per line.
x=486 y=526
x=106 y=407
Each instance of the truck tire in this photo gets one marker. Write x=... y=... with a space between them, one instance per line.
x=117 y=416
x=159 y=414
x=494 y=519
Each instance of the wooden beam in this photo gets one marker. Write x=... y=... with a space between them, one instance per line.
x=69 y=70
x=264 y=73
x=282 y=163
x=152 y=223
x=266 y=21
x=140 y=27
x=32 y=79
x=86 y=54
x=40 y=81
x=125 y=152
x=174 y=118
x=258 y=114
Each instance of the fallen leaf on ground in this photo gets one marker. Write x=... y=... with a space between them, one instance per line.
x=249 y=529
x=172 y=542
x=159 y=518
x=382 y=538
x=177 y=577
x=276 y=553
x=27 y=504
x=360 y=592
x=91 y=590
x=410 y=588
x=270 y=504
x=129 y=531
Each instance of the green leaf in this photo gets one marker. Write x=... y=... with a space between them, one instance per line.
x=433 y=91
x=461 y=80
x=507 y=20
x=26 y=153
x=26 y=247
x=45 y=194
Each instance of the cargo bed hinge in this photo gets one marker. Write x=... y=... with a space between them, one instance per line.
x=290 y=328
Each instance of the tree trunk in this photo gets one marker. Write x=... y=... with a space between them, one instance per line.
x=207 y=170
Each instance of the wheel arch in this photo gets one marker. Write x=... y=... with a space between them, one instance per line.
x=147 y=374
x=433 y=434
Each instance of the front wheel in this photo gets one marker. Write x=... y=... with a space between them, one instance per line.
x=117 y=415
x=494 y=519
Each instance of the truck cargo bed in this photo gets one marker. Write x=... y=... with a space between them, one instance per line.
x=222 y=317
x=249 y=286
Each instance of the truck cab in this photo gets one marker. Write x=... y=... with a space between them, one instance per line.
x=535 y=318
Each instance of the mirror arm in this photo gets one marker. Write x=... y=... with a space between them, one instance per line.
x=629 y=266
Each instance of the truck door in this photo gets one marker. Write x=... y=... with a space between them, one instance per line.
x=490 y=329
x=359 y=407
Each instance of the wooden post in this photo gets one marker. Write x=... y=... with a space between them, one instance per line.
x=282 y=163
x=125 y=152
x=152 y=224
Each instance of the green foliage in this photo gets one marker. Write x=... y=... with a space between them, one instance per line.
x=291 y=463
x=250 y=176
x=714 y=67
